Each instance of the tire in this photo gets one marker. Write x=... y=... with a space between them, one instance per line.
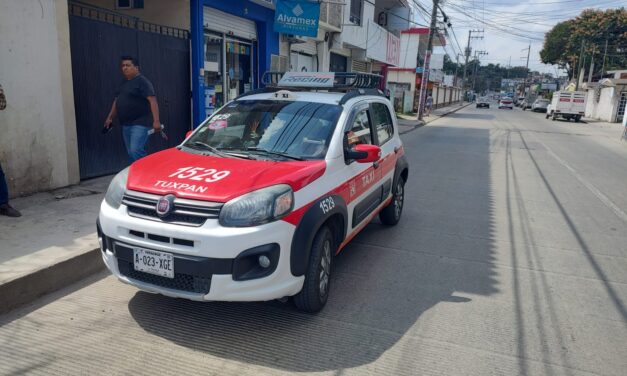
x=547 y=116
x=577 y=118
x=391 y=214
x=315 y=291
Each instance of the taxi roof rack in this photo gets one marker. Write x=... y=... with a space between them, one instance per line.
x=353 y=83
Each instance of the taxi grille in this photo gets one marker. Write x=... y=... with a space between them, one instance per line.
x=185 y=212
x=181 y=281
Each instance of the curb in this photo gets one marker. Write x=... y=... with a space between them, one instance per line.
x=29 y=287
x=422 y=123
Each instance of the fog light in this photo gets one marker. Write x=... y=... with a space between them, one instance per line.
x=264 y=261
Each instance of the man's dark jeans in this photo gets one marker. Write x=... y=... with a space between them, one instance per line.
x=4 y=191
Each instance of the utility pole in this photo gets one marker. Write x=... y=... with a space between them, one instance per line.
x=527 y=70
x=591 y=63
x=456 y=68
x=425 y=72
x=604 y=54
x=474 y=75
x=579 y=68
x=467 y=53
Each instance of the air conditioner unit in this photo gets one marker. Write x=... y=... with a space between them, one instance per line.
x=290 y=38
x=278 y=63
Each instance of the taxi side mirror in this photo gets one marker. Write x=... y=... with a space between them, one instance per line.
x=189 y=133
x=364 y=153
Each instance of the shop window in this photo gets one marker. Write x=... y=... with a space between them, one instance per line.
x=129 y=4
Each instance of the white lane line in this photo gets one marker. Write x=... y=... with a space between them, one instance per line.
x=595 y=191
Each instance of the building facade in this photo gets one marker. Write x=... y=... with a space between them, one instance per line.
x=199 y=54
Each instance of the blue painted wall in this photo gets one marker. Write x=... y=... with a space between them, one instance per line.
x=267 y=41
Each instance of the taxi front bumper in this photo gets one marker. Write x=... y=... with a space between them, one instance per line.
x=211 y=262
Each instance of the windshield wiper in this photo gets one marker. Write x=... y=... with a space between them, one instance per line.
x=218 y=151
x=285 y=155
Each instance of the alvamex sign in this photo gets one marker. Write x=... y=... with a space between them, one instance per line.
x=313 y=79
x=296 y=20
x=297 y=17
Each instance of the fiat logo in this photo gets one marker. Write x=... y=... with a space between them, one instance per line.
x=165 y=205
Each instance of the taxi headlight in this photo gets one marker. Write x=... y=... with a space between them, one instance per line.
x=116 y=189
x=258 y=207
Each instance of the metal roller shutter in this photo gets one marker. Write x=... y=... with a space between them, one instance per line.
x=216 y=20
x=360 y=66
x=308 y=48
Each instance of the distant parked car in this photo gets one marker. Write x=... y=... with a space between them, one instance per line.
x=520 y=101
x=526 y=104
x=483 y=102
x=540 y=105
x=506 y=103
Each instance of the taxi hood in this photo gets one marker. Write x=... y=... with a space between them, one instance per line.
x=217 y=179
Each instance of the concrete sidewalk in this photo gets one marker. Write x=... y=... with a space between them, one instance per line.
x=52 y=245
x=408 y=123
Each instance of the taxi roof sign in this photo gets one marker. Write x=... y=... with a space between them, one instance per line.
x=322 y=80
x=307 y=79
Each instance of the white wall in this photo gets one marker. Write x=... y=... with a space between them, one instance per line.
x=607 y=106
x=38 y=147
x=402 y=77
x=356 y=35
x=409 y=50
x=174 y=13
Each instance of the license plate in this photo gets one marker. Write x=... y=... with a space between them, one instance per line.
x=153 y=262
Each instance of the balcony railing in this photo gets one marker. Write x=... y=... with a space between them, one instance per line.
x=331 y=14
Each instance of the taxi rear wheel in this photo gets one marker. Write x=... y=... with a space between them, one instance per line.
x=315 y=292
x=391 y=214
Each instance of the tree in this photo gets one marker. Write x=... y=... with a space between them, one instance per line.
x=592 y=29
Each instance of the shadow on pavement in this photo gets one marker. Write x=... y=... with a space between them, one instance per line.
x=383 y=281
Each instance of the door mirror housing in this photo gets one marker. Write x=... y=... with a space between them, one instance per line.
x=363 y=153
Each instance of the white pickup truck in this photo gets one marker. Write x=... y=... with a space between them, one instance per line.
x=567 y=104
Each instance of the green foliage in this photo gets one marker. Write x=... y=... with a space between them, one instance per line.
x=592 y=28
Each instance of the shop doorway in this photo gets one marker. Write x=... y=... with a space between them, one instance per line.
x=338 y=63
x=229 y=66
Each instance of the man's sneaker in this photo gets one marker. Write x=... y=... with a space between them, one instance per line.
x=9 y=211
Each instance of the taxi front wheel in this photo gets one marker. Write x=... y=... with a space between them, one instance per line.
x=315 y=292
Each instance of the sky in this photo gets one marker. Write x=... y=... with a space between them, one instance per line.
x=510 y=26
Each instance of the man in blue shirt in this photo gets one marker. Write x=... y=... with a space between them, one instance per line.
x=136 y=106
x=5 y=208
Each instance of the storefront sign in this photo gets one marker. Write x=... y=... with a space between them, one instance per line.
x=382 y=46
x=297 y=17
x=307 y=79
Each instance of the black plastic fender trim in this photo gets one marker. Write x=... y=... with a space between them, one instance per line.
x=401 y=165
x=322 y=209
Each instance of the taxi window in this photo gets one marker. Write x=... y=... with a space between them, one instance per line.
x=382 y=122
x=301 y=129
x=359 y=132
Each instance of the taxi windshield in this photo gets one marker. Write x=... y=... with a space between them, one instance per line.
x=295 y=129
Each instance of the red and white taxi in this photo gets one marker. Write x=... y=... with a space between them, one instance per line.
x=254 y=204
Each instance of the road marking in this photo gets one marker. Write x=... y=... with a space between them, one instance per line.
x=595 y=191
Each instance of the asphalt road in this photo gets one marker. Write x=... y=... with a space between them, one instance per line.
x=510 y=258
